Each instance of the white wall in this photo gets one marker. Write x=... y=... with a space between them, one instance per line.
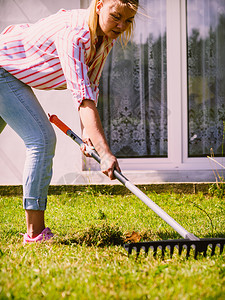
x=68 y=163
x=67 y=160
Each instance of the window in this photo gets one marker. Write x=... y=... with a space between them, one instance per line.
x=206 y=77
x=162 y=97
x=133 y=99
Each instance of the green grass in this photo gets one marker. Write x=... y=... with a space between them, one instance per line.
x=86 y=259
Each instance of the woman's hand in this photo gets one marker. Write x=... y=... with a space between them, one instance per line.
x=109 y=163
x=86 y=139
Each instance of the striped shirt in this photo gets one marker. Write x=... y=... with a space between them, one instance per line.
x=55 y=53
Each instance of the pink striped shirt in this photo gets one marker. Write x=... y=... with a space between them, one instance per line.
x=55 y=53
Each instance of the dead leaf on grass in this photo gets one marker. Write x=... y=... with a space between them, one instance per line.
x=133 y=237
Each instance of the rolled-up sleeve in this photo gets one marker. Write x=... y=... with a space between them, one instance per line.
x=71 y=47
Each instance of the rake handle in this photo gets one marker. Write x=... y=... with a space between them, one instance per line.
x=119 y=176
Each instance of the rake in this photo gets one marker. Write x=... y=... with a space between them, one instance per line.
x=189 y=241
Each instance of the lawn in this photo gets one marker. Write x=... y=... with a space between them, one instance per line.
x=86 y=259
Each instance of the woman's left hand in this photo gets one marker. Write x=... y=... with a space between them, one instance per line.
x=88 y=142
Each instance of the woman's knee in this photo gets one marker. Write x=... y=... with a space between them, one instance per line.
x=50 y=142
x=43 y=140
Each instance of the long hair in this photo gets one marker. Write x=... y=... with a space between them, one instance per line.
x=93 y=20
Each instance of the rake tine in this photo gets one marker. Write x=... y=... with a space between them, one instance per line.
x=163 y=252
x=204 y=253
x=221 y=248
x=129 y=249
x=180 y=248
x=213 y=249
x=188 y=251
x=146 y=250
x=155 y=251
x=171 y=251
x=196 y=252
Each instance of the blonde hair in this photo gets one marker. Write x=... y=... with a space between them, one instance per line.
x=93 y=20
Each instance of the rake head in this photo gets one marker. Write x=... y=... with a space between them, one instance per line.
x=203 y=246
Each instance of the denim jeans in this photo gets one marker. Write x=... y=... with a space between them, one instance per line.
x=20 y=109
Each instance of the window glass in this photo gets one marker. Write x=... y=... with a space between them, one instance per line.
x=206 y=77
x=133 y=88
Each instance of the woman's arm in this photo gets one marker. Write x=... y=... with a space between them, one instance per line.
x=91 y=121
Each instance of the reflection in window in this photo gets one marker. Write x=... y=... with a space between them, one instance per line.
x=206 y=76
x=133 y=99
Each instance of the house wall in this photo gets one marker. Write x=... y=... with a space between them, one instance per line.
x=68 y=162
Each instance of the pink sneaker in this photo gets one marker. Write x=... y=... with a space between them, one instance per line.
x=45 y=235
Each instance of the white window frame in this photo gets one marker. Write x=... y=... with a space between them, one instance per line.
x=177 y=159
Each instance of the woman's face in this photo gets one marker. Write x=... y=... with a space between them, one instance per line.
x=114 y=18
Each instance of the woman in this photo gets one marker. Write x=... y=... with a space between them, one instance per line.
x=65 y=50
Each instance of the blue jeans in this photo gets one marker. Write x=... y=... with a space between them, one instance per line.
x=20 y=109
